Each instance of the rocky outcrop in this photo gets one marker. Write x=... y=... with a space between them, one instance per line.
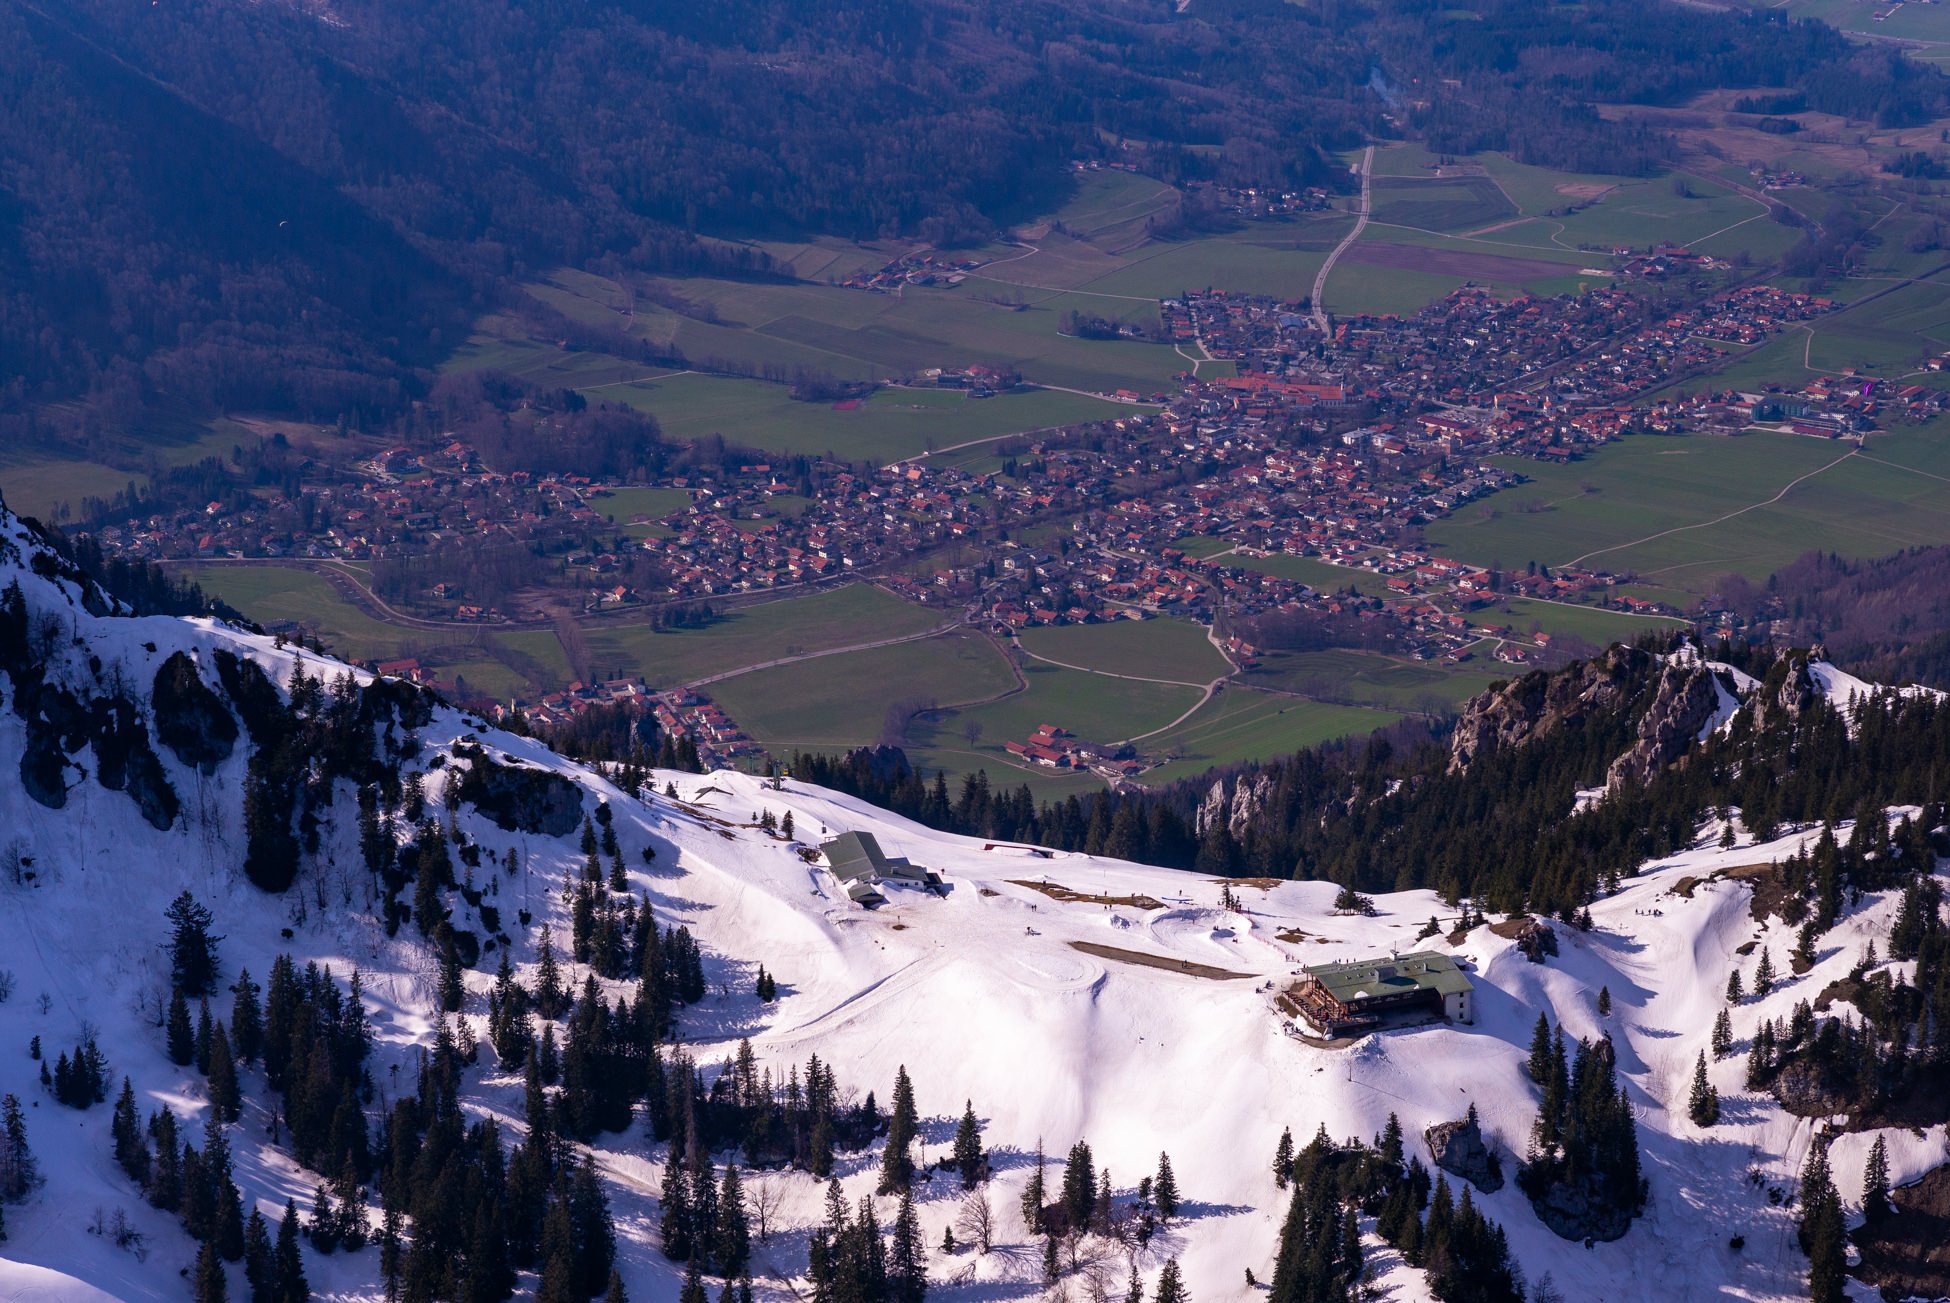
x=1537 y=939
x=1235 y=808
x=191 y=719
x=1459 y=1149
x=519 y=799
x=1685 y=702
x=1575 y=1214
x=125 y=762
x=1539 y=702
x=1788 y=692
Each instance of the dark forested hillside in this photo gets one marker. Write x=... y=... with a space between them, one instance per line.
x=297 y=207
x=1483 y=808
x=1887 y=619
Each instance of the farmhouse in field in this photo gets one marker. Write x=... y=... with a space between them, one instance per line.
x=857 y=862
x=1362 y=995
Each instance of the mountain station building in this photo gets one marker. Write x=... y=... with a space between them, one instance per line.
x=861 y=867
x=1362 y=995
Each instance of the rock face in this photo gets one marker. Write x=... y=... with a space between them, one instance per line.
x=1540 y=702
x=1236 y=810
x=1789 y=691
x=1575 y=1215
x=191 y=720
x=1683 y=704
x=1459 y=1149
x=1537 y=939
x=535 y=801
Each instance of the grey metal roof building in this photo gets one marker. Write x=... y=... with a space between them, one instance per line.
x=855 y=858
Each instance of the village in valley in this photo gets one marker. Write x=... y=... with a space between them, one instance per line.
x=1332 y=440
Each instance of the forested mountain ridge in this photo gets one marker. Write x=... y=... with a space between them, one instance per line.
x=1542 y=792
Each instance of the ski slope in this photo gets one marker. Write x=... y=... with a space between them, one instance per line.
x=982 y=993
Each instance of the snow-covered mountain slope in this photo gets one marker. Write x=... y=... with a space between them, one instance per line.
x=984 y=993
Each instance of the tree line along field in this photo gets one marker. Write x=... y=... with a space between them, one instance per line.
x=1712 y=503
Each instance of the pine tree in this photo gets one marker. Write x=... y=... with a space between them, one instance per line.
x=967 y=1153
x=615 y=1293
x=1034 y=1197
x=181 y=1035
x=1735 y=992
x=907 y=1264
x=260 y=1259
x=1079 y=1186
x=693 y=1291
x=19 y=1172
x=1604 y=1002
x=732 y=1247
x=1703 y=1104
x=205 y=1030
x=548 y=978
x=323 y=1229
x=1283 y=1159
x=226 y=1098
x=1540 y=1051
x=292 y=1285
x=1823 y=1231
x=678 y=1244
x=1875 y=1183
x=1171 y=1285
x=246 y=1019
x=1764 y=975
x=1164 y=1189
x=448 y=988
x=1052 y=1265
x=210 y=1285
x=1722 y=1035
x=192 y=950
x=131 y=1150
x=897 y=1162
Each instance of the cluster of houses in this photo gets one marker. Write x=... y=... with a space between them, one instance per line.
x=928 y=268
x=1052 y=747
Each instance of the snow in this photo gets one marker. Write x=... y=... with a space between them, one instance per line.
x=980 y=993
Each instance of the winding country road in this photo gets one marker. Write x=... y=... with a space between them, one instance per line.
x=1360 y=224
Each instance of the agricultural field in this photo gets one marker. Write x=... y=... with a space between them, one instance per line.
x=841 y=701
x=1364 y=678
x=1681 y=512
x=620 y=505
x=1592 y=624
x=37 y=482
x=1241 y=725
x=1323 y=576
x=1439 y=203
x=1173 y=650
x=890 y=425
x=1280 y=259
x=751 y=635
x=273 y=594
x=1095 y=707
